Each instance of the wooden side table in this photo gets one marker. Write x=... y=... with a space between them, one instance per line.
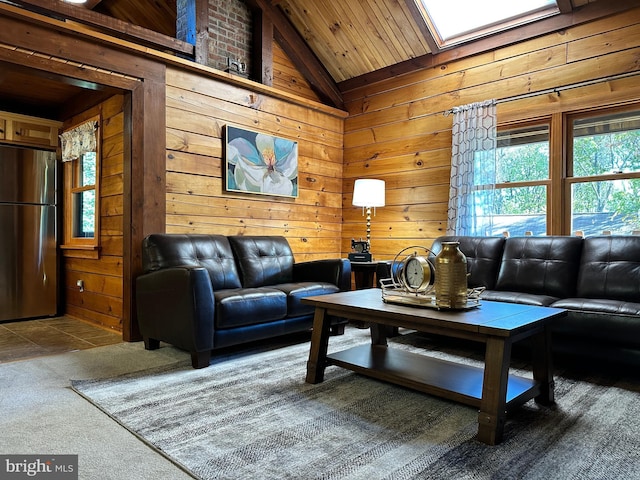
x=364 y=274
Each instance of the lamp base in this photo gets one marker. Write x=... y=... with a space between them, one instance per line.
x=360 y=257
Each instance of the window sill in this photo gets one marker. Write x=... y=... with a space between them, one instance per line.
x=81 y=251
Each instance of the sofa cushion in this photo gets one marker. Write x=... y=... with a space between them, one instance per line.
x=600 y=305
x=212 y=252
x=299 y=290
x=483 y=257
x=263 y=260
x=610 y=268
x=540 y=265
x=248 y=306
x=518 y=297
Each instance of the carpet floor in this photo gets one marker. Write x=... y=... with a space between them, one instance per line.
x=251 y=415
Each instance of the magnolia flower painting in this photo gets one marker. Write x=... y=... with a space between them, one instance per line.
x=259 y=163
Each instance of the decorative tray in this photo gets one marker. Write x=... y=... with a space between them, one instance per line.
x=392 y=294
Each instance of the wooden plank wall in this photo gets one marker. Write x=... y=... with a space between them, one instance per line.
x=286 y=76
x=197 y=110
x=396 y=130
x=101 y=301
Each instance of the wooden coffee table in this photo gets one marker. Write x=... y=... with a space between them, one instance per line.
x=497 y=324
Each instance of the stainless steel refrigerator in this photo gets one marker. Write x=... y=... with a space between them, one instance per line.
x=28 y=225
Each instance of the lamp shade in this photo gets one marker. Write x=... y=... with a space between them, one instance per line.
x=368 y=192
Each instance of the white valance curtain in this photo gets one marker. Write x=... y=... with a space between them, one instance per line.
x=473 y=169
x=79 y=140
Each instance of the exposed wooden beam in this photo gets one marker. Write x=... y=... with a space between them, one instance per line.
x=91 y=3
x=201 y=55
x=300 y=54
x=194 y=27
x=262 y=59
x=109 y=25
x=565 y=6
x=422 y=26
x=584 y=14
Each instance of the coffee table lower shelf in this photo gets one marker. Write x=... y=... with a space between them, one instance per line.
x=450 y=380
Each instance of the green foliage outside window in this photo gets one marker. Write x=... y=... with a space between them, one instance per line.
x=522 y=163
x=607 y=147
x=85 y=200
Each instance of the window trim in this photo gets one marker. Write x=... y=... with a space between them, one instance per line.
x=81 y=247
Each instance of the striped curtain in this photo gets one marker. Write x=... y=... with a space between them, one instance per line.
x=473 y=169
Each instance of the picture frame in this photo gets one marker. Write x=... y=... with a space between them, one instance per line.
x=260 y=163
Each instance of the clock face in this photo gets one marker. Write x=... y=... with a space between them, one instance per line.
x=414 y=273
x=417 y=273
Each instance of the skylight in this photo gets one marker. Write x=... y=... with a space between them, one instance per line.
x=456 y=21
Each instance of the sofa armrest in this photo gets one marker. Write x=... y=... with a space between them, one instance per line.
x=336 y=271
x=176 y=305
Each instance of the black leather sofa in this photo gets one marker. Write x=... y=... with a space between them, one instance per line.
x=597 y=279
x=204 y=292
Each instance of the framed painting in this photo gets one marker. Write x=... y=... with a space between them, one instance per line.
x=260 y=163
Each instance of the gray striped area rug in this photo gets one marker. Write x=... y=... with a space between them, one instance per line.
x=250 y=415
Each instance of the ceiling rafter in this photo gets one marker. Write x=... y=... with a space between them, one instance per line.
x=565 y=6
x=426 y=33
x=300 y=53
x=262 y=52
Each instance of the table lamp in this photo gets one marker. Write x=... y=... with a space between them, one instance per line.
x=368 y=193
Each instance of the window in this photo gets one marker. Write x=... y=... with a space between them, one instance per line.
x=84 y=197
x=81 y=203
x=522 y=181
x=592 y=185
x=452 y=23
x=603 y=175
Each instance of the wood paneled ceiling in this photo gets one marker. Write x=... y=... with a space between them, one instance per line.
x=352 y=38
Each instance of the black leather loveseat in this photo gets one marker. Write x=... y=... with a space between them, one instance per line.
x=597 y=279
x=204 y=292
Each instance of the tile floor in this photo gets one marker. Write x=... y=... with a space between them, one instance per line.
x=34 y=338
